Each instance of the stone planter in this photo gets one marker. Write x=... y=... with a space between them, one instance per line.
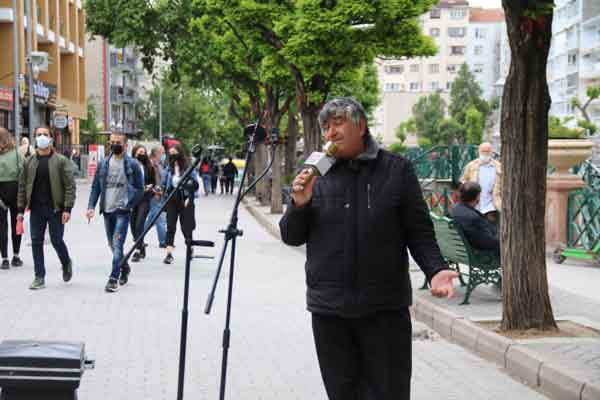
x=566 y=153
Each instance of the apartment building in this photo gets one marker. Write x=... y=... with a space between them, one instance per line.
x=59 y=32
x=405 y=81
x=115 y=84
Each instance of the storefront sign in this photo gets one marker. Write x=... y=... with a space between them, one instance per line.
x=43 y=93
x=6 y=99
x=61 y=121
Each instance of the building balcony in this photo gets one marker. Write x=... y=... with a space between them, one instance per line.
x=119 y=95
x=121 y=63
x=590 y=47
x=591 y=71
x=6 y=15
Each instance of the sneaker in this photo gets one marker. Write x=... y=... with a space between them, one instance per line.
x=67 y=271
x=136 y=256
x=16 y=262
x=38 y=283
x=112 y=285
x=5 y=264
x=124 y=278
x=168 y=259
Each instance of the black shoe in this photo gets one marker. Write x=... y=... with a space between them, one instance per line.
x=162 y=246
x=112 y=285
x=142 y=252
x=16 y=262
x=5 y=264
x=136 y=256
x=168 y=259
x=124 y=278
x=38 y=283
x=67 y=271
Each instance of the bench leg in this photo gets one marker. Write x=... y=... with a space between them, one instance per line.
x=470 y=288
x=425 y=285
x=460 y=277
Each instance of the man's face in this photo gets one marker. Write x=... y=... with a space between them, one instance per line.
x=42 y=132
x=118 y=139
x=345 y=134
x=485 y=150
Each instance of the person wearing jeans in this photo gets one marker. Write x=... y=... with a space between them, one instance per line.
x=119 y=186
x=155 y=203
x=47 y=188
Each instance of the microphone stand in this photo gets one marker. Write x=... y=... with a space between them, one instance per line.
x=196 y=152
x=231 y=234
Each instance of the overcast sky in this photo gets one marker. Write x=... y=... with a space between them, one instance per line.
x=486 y=3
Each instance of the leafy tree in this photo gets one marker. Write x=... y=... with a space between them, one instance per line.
x=428 y=114
x=558 y=129
x=466 y=92
x=593 y=92
x=474 y=125
x=450 y=132
x=89 y=126
x=405 y=128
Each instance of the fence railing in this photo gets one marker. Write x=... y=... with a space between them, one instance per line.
x=583 y=215
x=442 y=162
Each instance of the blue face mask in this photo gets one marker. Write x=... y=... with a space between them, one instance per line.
x=163 y=157
x=43 y=142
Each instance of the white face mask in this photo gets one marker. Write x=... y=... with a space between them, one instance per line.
x=43 y=142
x=485 y=159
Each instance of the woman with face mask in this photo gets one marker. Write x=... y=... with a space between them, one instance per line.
x=181 y=205
x=140 y=212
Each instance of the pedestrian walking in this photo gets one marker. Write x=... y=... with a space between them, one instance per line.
x=140 y=212
x=47 y=188
x=181 y=205
x=205 y=174
x=11 y=165
x=359 y=221
x=214 y=175
x=156 y=158
x=119 y=186
x=230 y=171
x=222 y=180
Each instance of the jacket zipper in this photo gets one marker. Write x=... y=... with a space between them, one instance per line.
x=368 y=195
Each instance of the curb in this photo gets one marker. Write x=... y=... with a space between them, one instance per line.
x=527 y=365
x=531 y=367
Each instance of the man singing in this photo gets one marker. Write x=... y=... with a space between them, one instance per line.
x=358 y=222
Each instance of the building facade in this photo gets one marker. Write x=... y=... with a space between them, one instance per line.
x=462 y=35
x=59 y=91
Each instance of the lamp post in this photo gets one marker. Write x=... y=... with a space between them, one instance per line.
x=16 y=67
x=29 y=66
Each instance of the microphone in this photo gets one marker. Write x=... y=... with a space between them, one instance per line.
x=321 y=162
x=260 y=133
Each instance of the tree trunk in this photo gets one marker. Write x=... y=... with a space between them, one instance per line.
x=524 y=127
x=312 y=130
x=260 y=162
x=290 y=144
x=276 y=195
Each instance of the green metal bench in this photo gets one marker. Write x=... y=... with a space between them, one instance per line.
x=484 y=266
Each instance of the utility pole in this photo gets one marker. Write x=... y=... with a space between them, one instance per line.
x=17 y=69
x=28 y=60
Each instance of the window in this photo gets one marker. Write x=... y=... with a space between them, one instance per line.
x=478 y=50
x=394 y=69
x=434 y=68
x=393 y=87
x=572 y=59
x=415 y=86
x=459 y=13
x=448 y=85
x=457 y=50
x=452 y=68
x=480 y=33
x=478 y=68
x=434 y=32
x=434 y=86
x=457 y=32
x=572 y=80
x=435 y=13
x=414 y=68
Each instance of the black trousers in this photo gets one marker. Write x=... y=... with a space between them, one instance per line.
x=8 y=194
x=229 y=184
x=176 y=209
x=138 y=219
x=365 y=358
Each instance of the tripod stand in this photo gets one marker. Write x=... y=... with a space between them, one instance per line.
x=190 y=244
x=231 y=233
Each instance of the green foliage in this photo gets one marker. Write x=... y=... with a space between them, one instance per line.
x=89 y=126
x=402 y=131
x=466 y=92
x=474 y=125
x=361 y=84
x=593 y=92
x=558 y=130
x=428 y=114
x=588 y=126
x=450 y=131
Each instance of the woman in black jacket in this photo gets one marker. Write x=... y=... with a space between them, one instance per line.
x=140 y=212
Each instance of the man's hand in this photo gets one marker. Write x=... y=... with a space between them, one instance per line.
x=302 y=187
x=442 y=283
x=90 y=214
x=66 y=217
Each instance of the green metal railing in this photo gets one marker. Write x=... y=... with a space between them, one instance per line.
x=441 y=202
x=442 y=162
x=583 y=214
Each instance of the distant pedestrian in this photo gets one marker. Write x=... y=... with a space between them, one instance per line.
x=119 y=186
x=11 y=166
x=181 y=205
x=25 y=149
x=205 y=174
x=214 y=175
x=140 y=212
x=156 y=157
x=222 y=180
x=230 y=171
x=47 y=188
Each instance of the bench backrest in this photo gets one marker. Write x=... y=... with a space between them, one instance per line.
x=450 y=240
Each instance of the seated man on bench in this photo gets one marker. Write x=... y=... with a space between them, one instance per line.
x=478 y=230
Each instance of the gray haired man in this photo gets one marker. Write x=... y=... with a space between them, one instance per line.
x=358 y=223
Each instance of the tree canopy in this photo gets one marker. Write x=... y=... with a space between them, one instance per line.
x=466 y=93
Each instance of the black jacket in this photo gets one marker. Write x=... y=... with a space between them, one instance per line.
x=363 y=216
x=478 y=230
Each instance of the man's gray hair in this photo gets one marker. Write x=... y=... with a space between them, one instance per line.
x=342 y=106
x=154 y=151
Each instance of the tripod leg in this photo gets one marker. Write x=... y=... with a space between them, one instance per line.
x=184 y=321
x=227 y=331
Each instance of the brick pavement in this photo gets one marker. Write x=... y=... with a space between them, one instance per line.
x=134 y=334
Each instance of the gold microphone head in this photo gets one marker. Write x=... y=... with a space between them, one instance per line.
x=330 y=148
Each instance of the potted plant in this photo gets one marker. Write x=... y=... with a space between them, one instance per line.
x=567 y=147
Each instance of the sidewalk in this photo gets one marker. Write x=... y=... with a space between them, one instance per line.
x=564 y=368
